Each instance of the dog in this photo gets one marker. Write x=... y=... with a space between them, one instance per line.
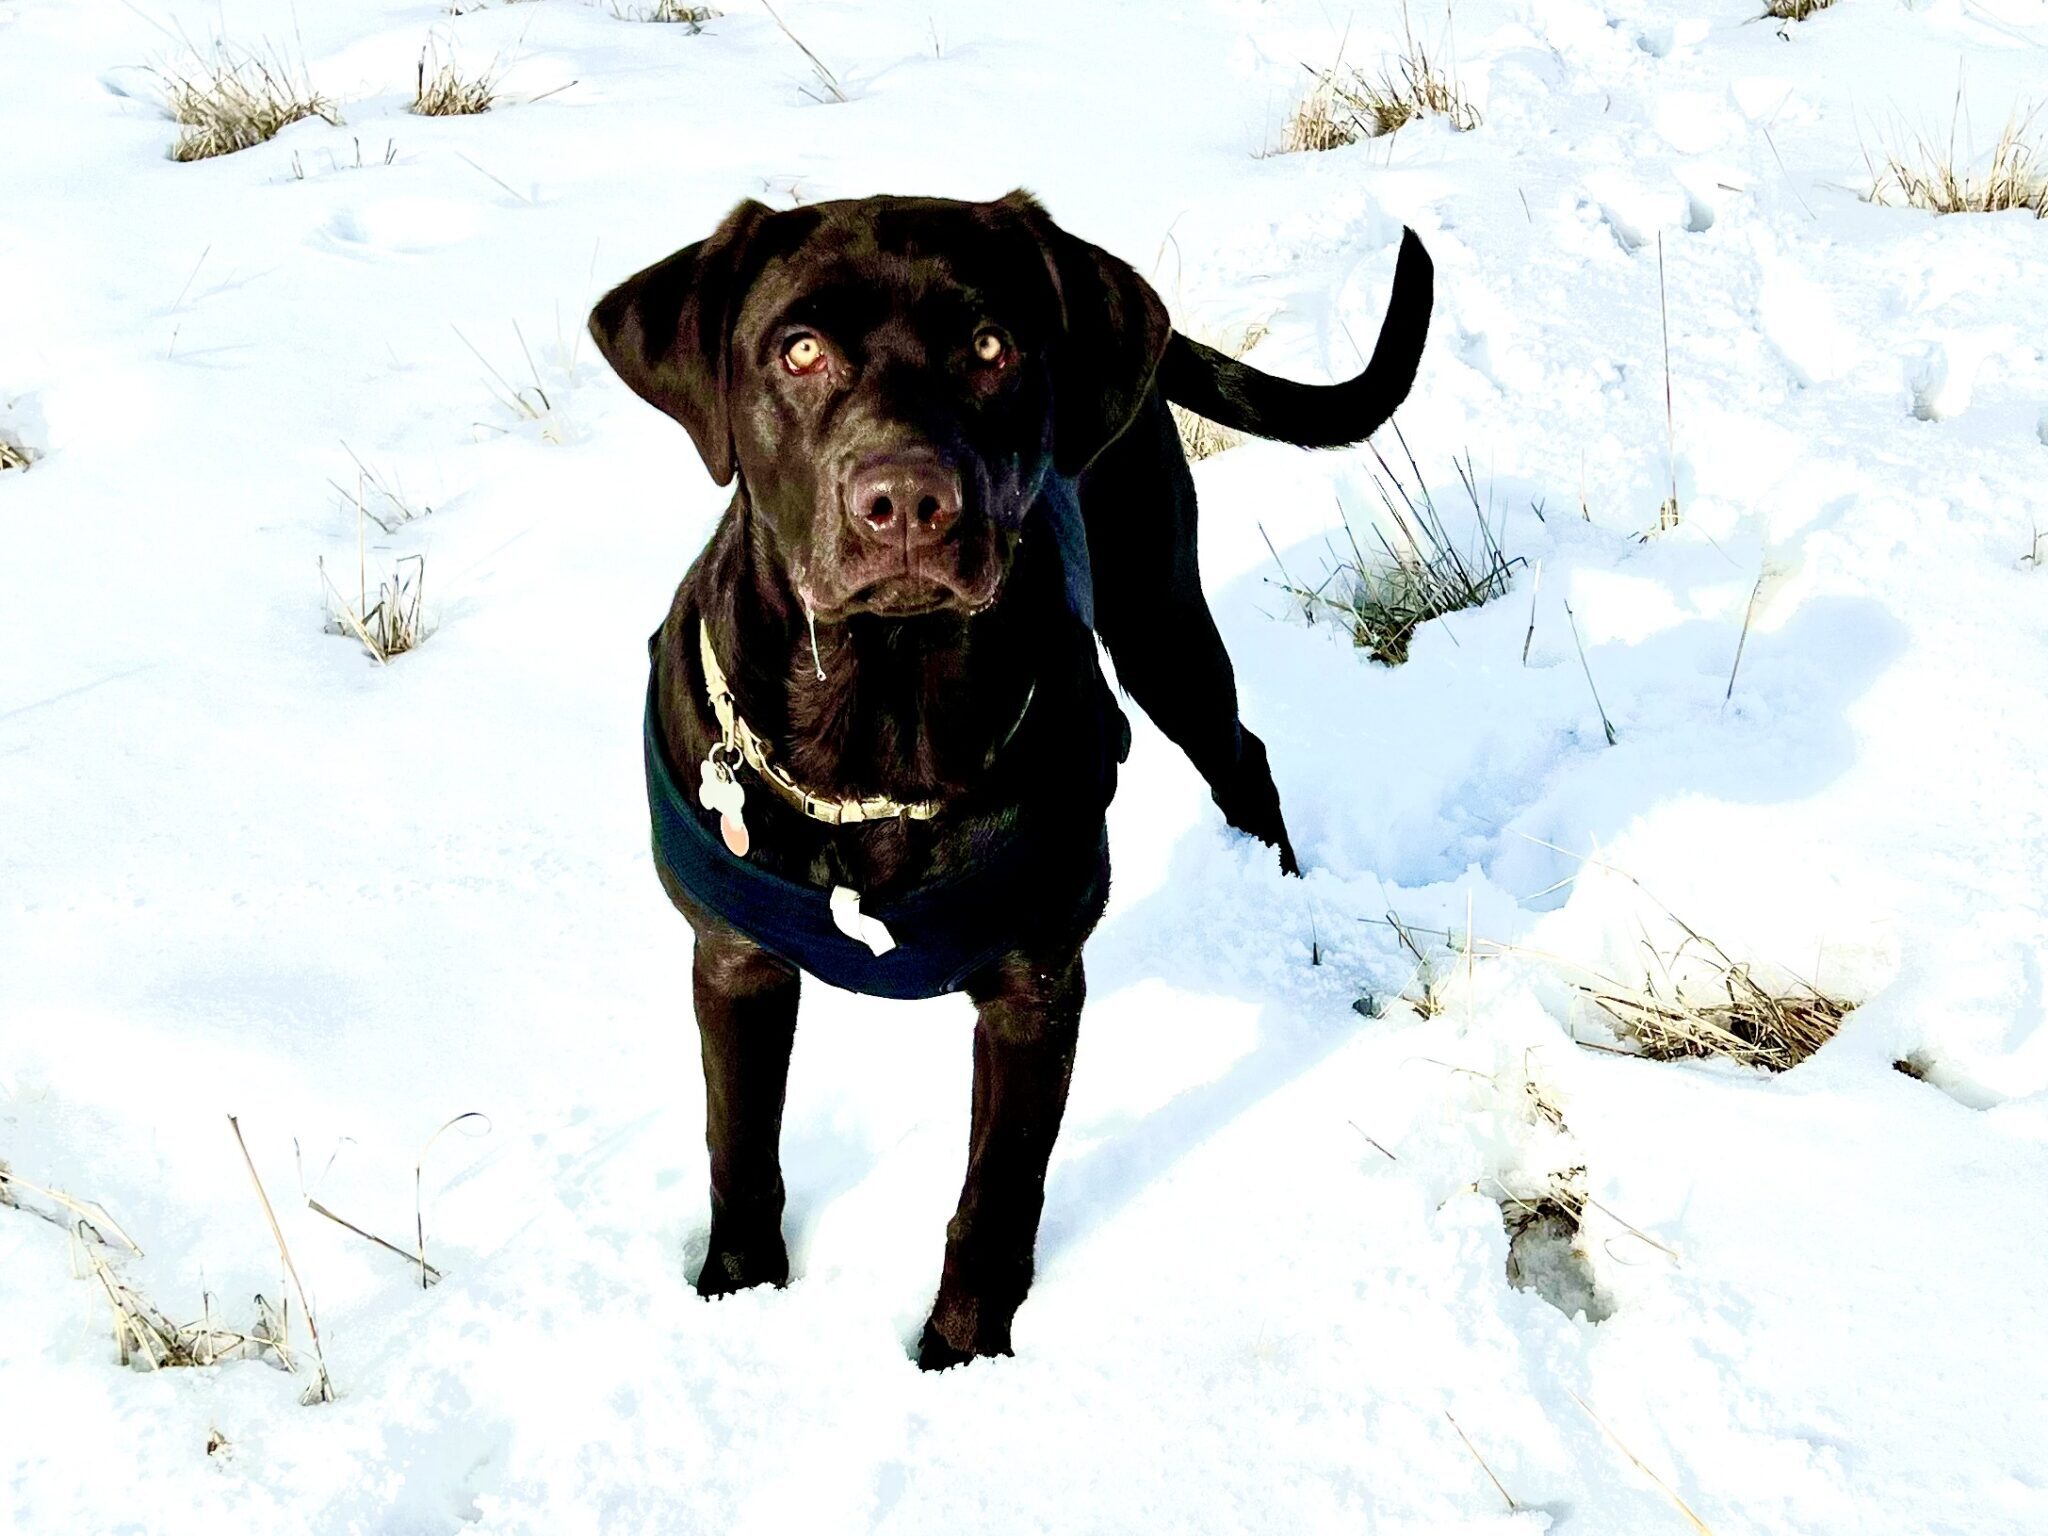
x=879 y=743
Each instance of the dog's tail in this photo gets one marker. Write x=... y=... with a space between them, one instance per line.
x=1312 y=415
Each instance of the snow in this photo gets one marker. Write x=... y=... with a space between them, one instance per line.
x=245 y=870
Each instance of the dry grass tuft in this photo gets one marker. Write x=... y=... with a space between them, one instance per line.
x=143 y=1335
x=396 y=622
x=1794 y=10
x=441 y=90
x=148 y=1340
x=12 y=456
x=1201 y=438
x=1729 y=1013
x=1747 y=1022
x=1345 y=104
x=1929 y=175
x=1325 y=119
x=230 y=100
x=1418 y=576
x=1427 y=986
x=691 y=16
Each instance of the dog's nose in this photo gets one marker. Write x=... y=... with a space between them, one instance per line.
x=912 y=499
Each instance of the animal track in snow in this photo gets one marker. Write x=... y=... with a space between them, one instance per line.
x=397 y=225
x=1943 y=373
x=1692 y=121
x=1634 y=213
x=1661 y=41
x=1798 y=319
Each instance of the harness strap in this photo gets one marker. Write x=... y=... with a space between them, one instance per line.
x=1044 y=876
x=1033 y=880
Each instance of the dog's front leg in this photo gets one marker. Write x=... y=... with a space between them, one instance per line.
x=1029 y=1015
x=746 y=1018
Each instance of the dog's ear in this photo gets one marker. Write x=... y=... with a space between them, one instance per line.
x=1113 y=332
x=667 y=332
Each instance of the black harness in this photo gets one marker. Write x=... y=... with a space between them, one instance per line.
x=1045 y=875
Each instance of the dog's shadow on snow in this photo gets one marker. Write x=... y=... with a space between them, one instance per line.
x=1788 y=736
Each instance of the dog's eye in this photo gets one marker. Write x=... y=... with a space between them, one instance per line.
x=803 y=354
x=991 y=346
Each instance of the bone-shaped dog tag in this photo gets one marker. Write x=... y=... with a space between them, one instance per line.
x=719 y=791
x=856 y=924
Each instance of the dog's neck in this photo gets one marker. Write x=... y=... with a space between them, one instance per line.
x=912 y=708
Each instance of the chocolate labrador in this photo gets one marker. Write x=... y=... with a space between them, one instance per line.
x=879 y=744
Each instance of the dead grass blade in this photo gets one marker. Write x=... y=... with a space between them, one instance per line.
x=1667 y=515
x=501 y=181
x=825 y=76
x=1497 y=1485
x=418 y=1205
x=389 y=494
x=1606 y=724
x=1529 y=635
x=322 y=1390
x=89 y=1215
x=1748 y=616
x=428 y=1274
x=1663 y=1487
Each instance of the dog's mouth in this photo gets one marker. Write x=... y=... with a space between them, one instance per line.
x=910 y=594
x=904 y=597
x=961 y=579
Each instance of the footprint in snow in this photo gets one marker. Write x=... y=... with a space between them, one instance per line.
x=1660 y=41
x=396 y=226
x=1634 y=213
x=1942 y=374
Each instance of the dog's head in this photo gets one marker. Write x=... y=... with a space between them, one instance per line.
x=892 y=379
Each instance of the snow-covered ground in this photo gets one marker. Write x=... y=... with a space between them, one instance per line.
x=245 y=870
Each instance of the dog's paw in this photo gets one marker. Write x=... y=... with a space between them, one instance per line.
x=935 y=1352
x=1250 y=801
x=964 y=1327
x=728 y=1268
x=1259 y=816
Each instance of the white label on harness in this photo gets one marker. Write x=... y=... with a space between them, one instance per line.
x=855 y=924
